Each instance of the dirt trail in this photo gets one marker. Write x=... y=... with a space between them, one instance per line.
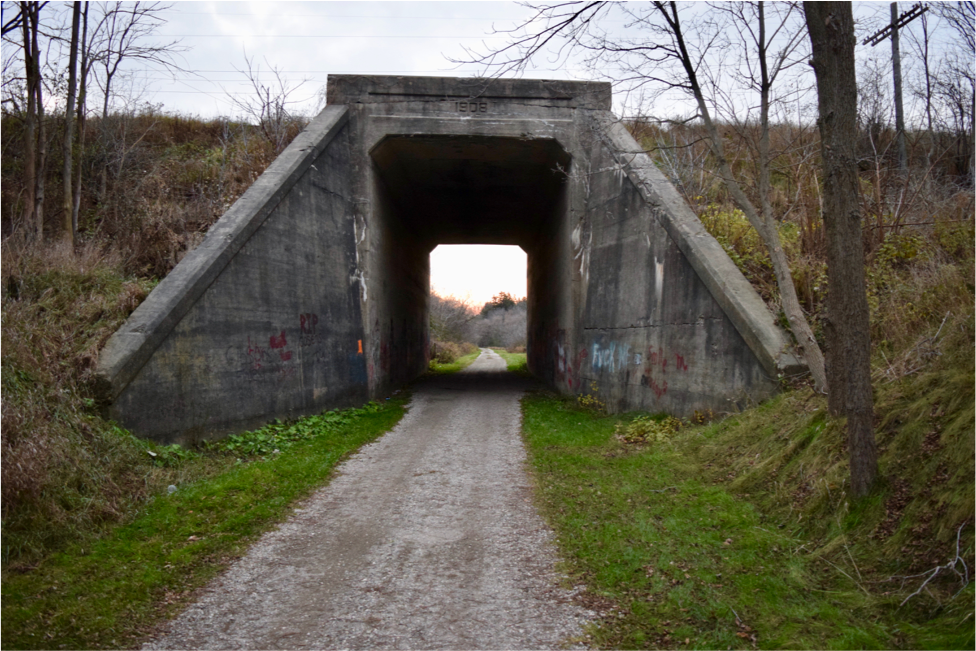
x=427 y=538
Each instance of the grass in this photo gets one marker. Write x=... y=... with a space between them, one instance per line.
x=670 y=559
x=111 y=591
x=436 y=368
x=739 y=533
x=516 y=362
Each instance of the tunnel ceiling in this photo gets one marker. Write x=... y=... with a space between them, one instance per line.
x=472 y=189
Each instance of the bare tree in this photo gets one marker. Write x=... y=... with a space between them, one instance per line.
x=665 y=59
x=770 y=43
x=831 y=28
x=268 y=105
x=922 y=46
x=81 y=118
x=125 y=32
x=35 y=149
x=450 y=318
x=11 y=23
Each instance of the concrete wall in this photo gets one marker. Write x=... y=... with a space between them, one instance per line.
x=311 y=292
x=669 y=323
x=263 y=319
x=653 y=338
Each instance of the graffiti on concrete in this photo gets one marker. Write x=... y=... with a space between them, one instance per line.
x=649 y=367
x=307 y=323
x=568 y=365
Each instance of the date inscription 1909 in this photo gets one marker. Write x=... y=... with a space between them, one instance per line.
x=471 y=107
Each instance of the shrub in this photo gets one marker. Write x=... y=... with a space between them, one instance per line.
x=445 y=352
x=648 y=429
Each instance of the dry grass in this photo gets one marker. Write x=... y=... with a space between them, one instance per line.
x=67 y=472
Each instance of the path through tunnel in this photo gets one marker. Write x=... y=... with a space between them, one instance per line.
x=433 y=190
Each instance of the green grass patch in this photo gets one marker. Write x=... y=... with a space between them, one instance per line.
x=680 y=548
x=517 y=362
x=436 y=368
x=111 y=591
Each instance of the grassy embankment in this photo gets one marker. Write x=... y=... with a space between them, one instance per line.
x=95 y=548
x=740 y=533
x=110 y=590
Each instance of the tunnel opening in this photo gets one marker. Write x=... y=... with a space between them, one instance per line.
x=434 y=190
x=477 y=295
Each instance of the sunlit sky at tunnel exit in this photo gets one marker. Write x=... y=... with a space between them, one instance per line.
x=477 y=272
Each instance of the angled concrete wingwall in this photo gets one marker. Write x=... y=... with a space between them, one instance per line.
x=263 y=319
x=311 y=292
x=668 y=323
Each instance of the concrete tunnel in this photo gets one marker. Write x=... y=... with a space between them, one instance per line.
x=311 y=292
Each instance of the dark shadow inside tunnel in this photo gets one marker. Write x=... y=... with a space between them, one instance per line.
x=432 y=190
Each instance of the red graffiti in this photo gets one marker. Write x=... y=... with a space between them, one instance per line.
x=279 y=341
x=306 y=325
x=285 y=355
x=577 y=367
x=679 y=362
x=658 y=389
x=657 y=359
x=255 y=355
x=307 y=322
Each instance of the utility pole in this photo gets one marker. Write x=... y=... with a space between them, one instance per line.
x=897 y=22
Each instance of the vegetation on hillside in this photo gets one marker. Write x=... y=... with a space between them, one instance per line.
x=68 y=473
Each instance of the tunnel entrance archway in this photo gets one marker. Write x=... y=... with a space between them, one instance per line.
x=310 y=292
x=434 y=190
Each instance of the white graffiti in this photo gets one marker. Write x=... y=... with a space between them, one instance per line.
x=613 y=356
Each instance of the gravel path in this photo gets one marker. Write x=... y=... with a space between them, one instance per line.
x=426 y=538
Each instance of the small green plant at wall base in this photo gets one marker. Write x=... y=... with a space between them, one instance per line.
x=702 y=417
x=277 y=436
x=590 y=401
x=648 y=429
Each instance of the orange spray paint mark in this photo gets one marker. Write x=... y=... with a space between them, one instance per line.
x=360 y=346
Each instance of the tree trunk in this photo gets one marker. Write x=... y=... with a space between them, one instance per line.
x=972 y=138
x=831 y=28
x=68 y=149
x=30 y=123
x=103 y=180
x=765 y=187
x=82 y=98
x=766 y=228
x=41 y=166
